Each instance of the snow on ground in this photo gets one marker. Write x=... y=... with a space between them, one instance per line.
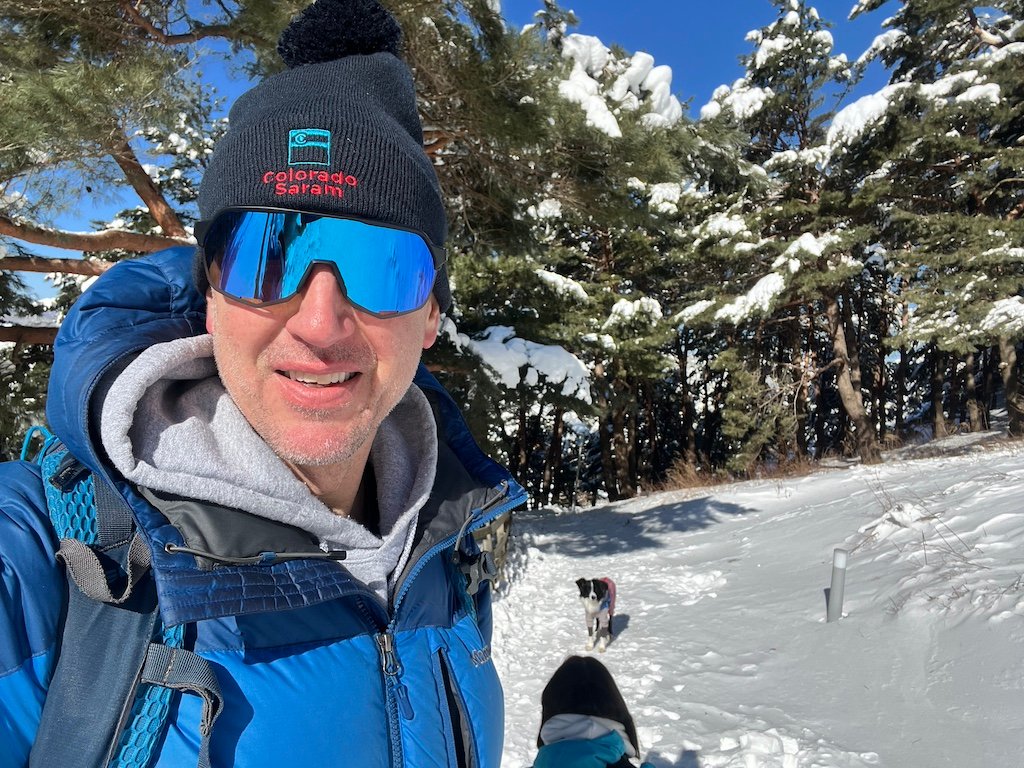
x=723 y=652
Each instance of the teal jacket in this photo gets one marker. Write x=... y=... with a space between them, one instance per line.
x=603 y=752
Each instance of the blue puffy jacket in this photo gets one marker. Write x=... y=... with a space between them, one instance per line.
x=315 y=670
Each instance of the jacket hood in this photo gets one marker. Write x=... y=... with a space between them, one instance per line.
x=133 y=305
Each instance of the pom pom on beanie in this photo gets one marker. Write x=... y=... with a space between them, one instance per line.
x=333 y=29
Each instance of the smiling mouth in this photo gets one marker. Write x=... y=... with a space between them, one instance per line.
x=320 y=379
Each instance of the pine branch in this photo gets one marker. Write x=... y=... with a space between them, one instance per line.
x=145 y=187
x=112 y=239
x=136 y=17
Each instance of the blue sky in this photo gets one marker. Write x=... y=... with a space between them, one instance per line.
x=702 y=41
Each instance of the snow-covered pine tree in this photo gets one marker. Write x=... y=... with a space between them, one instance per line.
x=790 y=254
x=572 y=262
x=939 y=153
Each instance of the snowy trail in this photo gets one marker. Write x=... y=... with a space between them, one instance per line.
x=722 y=649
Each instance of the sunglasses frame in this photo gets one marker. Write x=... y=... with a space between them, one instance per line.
x=202 y=228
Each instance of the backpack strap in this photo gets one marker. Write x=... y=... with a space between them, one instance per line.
x=114 y=696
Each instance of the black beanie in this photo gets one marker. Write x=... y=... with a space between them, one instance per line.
x=337 y=132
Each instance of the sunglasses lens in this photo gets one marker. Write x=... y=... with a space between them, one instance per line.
x=264 y=256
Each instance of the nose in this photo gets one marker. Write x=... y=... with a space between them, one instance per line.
x=322 y=315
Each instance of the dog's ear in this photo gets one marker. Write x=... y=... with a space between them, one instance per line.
x=581 y=584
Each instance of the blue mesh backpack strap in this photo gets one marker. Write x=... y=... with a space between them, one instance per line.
x=103 y=689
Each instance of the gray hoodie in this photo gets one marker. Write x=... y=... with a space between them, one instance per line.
x=168 y=425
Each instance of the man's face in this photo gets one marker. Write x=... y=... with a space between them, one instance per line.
x=314 y=376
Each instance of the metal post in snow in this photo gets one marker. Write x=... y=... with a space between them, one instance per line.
x=835 y=592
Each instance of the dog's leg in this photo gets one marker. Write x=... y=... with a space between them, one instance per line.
x=602 y=636
x=590 y=635
x=611 y=631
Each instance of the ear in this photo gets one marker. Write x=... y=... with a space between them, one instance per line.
x=210 y=311
x=432 y=323
x=581 y=583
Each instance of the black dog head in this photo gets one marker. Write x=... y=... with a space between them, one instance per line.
x=595 y=589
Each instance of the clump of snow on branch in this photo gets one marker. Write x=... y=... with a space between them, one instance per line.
x=742 y=99
x=988 y=92
x=757 y=299
x=811 y=245
x=626 y=313
x=884 y=42
x=546 y=209
x=999 y=55
x=1005 y=317
x=721 y=227
x=637 y=81
x=798 y=158
x=853 y=122
x=664 y=197
x=602 y=340
x=696 y=309
x=514 y=361
x=563 y=286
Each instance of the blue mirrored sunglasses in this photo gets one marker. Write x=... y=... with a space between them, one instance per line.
x=263 y=256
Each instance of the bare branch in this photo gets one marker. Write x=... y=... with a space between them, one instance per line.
x=88 y=241
x=90 y=267
x=435 y=140
x=27 y=334
x=995 y=39
x=146 y=188
x=136 y=17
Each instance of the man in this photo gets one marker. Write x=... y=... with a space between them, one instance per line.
x=302 y=514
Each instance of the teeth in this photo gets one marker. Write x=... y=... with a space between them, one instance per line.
x=322 y=380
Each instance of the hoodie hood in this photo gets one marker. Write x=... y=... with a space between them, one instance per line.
x=132 y=306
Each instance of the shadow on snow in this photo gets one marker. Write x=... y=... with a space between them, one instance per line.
x=610 y=529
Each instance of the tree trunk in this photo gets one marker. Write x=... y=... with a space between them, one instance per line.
x=975 y=412
x=989 y=387
x=621 y=452
x=553 y=459
x=608 y=459
x=820 y=418
x=518 y=467
x=852 y=399
x=689 y=407
x=900 y=393
x=802 y=356
x=938 y=386
x=604 y=432
x=1011 y=386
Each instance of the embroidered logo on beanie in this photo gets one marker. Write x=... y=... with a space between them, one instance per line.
x=309 y=146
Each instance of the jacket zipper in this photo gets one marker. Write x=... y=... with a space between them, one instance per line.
x=396 y=694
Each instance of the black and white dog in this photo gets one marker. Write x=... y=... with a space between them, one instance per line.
x=598 y=598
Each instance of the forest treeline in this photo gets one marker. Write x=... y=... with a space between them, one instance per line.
x=788 y=273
